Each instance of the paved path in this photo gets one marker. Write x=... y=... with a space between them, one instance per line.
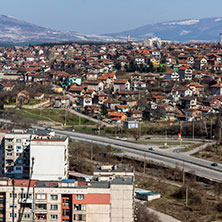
x=164 y=217
x=200 y=148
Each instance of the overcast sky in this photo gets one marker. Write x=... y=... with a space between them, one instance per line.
x=107 y=16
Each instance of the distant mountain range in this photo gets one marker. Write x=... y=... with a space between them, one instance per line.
x=206 y=29
x=15 y=31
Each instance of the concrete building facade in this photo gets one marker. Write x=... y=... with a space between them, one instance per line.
x=67 y=200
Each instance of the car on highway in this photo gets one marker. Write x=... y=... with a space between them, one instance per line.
x=150 y=148
x=121 y=138
x=214 y=164
x=148 y=138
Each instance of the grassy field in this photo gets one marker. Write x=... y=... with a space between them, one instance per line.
x=52 y=115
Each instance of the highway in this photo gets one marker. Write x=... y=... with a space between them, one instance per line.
x=188 y=163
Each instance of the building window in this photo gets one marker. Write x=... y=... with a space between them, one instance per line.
x=41 y=216
x=25 y=216
x=53 y=216
x=65 y=202
x=40 y=196
x=11 y=215
x=79 y=207
x=18 y=148
x=80 y=197
x=18 y=168
x=11 y=195
x=79 y=217
x=54 y=207
x=54 y=197
x=65 y=213
x=25 y=195
x=11 y=205
x=40 y=206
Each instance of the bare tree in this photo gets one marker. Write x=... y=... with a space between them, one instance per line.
x=142 y=214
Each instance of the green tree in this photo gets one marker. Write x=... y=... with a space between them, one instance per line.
x=103 y=109
x=118 y=66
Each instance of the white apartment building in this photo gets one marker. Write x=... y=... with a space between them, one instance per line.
x=50 y=158
x=24 y=152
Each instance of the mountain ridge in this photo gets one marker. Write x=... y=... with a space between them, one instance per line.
x=184 y=30
x=13 y=30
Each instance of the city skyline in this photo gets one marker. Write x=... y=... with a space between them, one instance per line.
x=101 y=17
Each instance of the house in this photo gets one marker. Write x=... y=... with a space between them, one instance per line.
x=117 y=117
x=192 y=114
x=188 y=102
x=23 y=97
x=136 y=77
x=146 y=195
x=196 y=88
x=200 y=62
x=122 y=108
x=96 y=85
x=131 y=124
x=92 y=76
x=39 y=96
x=110 y=78
x=172 y=75
x=61 y=102
x=87 y=100
x=74 y=80
x=139 y=60
x=121 y=85
x=206 y=110
x=138 y=85
x=216 y=89
x=100 y=98
x=185 y=72
x=7 y=86
x=181 y=92
x=79 y=90
x=155 y=61
x=137 y=115
x=171 y=115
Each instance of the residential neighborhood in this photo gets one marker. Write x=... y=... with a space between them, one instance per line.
x=116 y=82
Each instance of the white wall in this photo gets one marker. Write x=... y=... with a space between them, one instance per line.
x=49 y=162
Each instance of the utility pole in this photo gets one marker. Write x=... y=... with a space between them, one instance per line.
x=13 y=199
x=219 y=137
x=193 y=130
x=183 y=174
x=65 y=117
x=91 y=154
x=187 y=191
x=166 y=139
x=211 y=129
x=144 y=164
x=181 y=130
